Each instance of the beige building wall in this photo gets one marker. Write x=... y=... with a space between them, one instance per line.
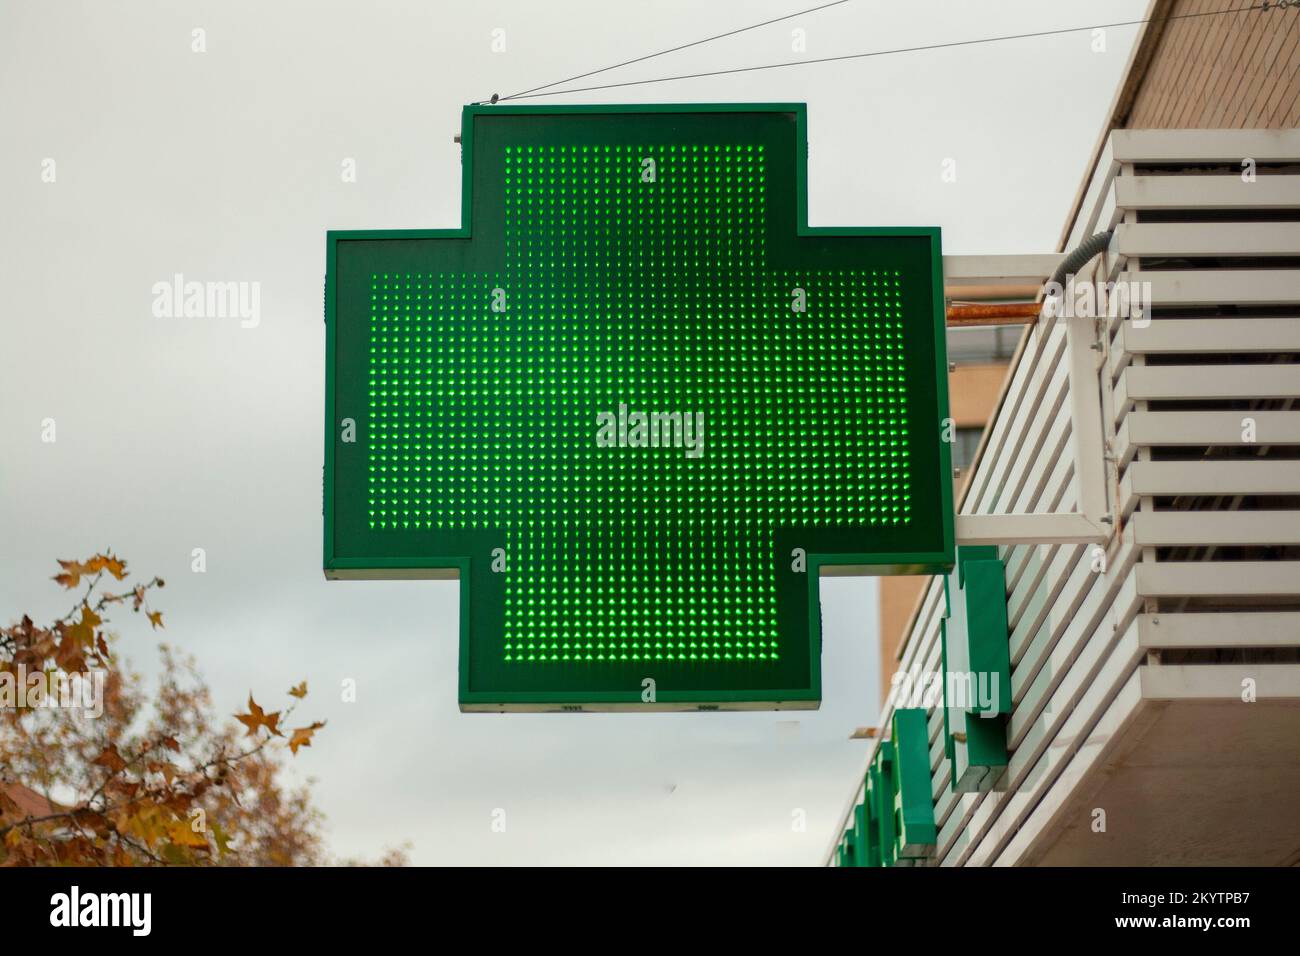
x=1215 y=72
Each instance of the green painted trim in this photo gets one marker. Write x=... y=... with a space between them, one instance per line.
x=913 y=802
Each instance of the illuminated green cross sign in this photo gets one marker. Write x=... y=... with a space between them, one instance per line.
x=637 y=406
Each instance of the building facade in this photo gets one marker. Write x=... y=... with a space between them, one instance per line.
x=1142 y=604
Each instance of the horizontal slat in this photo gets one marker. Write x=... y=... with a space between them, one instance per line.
x=1218 y=578
x=1220 y=286
x=1219 y=629
x=1207 y=239
x=1219 y=681
x=1029 y=529
x=1205 y=428
x=1181 y=528
x=1207 y=192
x=1139 y=383
x=1008 y=270
x=1239 y=477
x=1179 y=336
x=1204 y=145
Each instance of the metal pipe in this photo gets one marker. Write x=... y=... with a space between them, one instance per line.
x=1002 y=313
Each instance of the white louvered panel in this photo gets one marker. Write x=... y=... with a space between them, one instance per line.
x=1219 y=629
x=1105 y=662
x=1139 y=383
x=1191 y=336
x=1218 y=239
x=1181 y=146
x=1242 y=476
x=1196 y=287
x=1157 y=429
x=1207 y=192
x=1220 y=579
x=1186 y=528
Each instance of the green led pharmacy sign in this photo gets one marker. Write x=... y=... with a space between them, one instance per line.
x=637 y=406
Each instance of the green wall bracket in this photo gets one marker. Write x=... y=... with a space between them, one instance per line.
x=881 y=776
x=913 y=802
x=867 y=822
x=847 y=855
x=976 y=669
x=861 y=847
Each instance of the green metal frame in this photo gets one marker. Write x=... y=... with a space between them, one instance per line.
x=913 y=803
x=975 y=640
x=905 y=562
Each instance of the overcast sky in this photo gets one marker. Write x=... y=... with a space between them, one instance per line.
x=175 y=434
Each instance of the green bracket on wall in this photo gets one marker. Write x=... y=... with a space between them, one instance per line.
x=976 y=669
x=895 y=823
x=847 y=856
x=871 y=824
x=861 y=848
x=881 y=789
x=913 y=803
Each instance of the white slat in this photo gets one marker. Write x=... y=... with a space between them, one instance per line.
x=1204 y=428
x=1184 y=528
x=1179 y=336
x=1207 y=192
x=1153 y=146
x=1139 y=383
x=1219 y=578
x=1236 y=477
x=1207 y=239
x=1223 y=629
x=1220 y=286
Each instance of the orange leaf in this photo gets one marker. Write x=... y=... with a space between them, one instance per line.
x=114 y=566
x=181 y=832
x=155 y=618
x=257 y=718
x=73 y=570
x=302 y=736
x=111 y=759
x=300 y=691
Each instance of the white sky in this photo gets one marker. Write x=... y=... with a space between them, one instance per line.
x=174 y=434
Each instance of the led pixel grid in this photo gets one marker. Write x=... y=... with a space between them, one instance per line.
x=628 y=401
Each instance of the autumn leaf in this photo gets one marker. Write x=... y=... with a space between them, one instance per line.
x=181 y=833
x=72 y=572
x=107 y=562
x=302 y=736
x=256 y=718
x=155 y=618
x=300 y=691
x=222 y=839
x=111 y=759
x=164 y=767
